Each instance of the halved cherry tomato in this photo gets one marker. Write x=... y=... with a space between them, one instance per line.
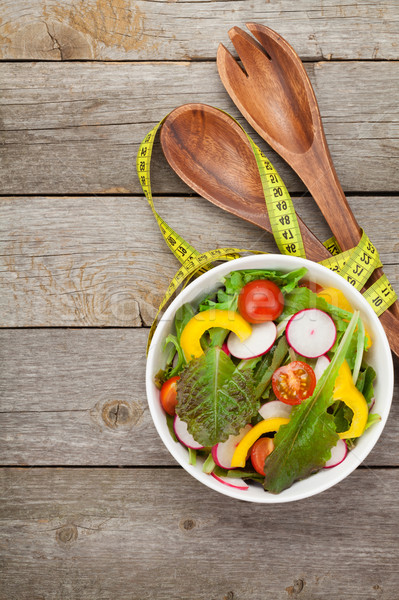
x=259 y=452
x=311 y=285
x=169 y=395
x=294 y=382
x=260 y=300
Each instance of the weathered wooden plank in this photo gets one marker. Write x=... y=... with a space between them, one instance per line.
x=134 y=534
x=189 y=30
x=95 y=261
x=77 y=397
x=75 y=127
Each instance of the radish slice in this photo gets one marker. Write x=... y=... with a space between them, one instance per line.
x=275 y=409
x=311 y=332
x=237 y=483
x=182 y=434
x=338 y=454
x=259 y=342
x=321 y=365
x=225 y=348
x=222 y=453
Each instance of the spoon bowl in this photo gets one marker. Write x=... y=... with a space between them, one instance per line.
x=211 y=153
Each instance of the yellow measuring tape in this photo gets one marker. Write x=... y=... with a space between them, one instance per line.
x=355 y=265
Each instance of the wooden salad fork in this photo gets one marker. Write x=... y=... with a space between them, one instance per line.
x=273 y=92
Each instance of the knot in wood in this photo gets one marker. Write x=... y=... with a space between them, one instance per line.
x=187 y=524
x=296 y=588
x=66 y=534
x=229 y=596
x=119 y=414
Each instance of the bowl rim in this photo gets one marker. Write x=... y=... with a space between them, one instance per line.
x=353 y=459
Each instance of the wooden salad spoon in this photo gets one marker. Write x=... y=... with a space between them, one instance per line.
x=211 y=153
x=273 y=92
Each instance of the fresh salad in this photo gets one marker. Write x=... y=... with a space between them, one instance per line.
x=266 y=380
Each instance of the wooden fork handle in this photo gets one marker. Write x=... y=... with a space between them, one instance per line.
x=324 y=186
x=391 y=326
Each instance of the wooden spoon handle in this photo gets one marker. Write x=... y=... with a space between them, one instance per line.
x=313 y=247
x=258 y=215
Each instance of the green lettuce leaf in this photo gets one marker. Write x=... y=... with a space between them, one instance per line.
x=303 y=445
x=226 y=298
x=214 y=397
x=372 y=418
x=301 y=298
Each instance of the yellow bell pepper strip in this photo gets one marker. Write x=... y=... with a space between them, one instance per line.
x=346 y=391
x=242 y=449
x=197 y=325
x=337 y=298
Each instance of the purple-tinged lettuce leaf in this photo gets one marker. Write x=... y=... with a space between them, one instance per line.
x=215 y=398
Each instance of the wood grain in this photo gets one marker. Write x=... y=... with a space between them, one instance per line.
x=83 y=533
x=189 y=30
x=98 y=263
x=77 y=397
x=75 y=127
x=102 y=261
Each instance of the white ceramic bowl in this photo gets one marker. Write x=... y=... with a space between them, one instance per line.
x=379 y=356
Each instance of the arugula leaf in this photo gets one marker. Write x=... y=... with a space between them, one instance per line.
x=360 y=342
x=217 y=335
x=219 y=299
x=285 y=281
x=182 y=317
x=342 y=416
x=268 y=364
x=301 y=298
x=169 y=422
x=303 y=445
x=238 y=473
x=365 y=383
x=227 y=297
x=170 y=370
x=214 y=397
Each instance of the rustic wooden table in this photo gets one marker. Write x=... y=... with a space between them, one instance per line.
x=93 y=506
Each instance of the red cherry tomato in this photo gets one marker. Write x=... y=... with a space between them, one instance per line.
x=259 y=452
x=294 y=382
x=311 y=285
x=169 y=395
x=260 y=301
